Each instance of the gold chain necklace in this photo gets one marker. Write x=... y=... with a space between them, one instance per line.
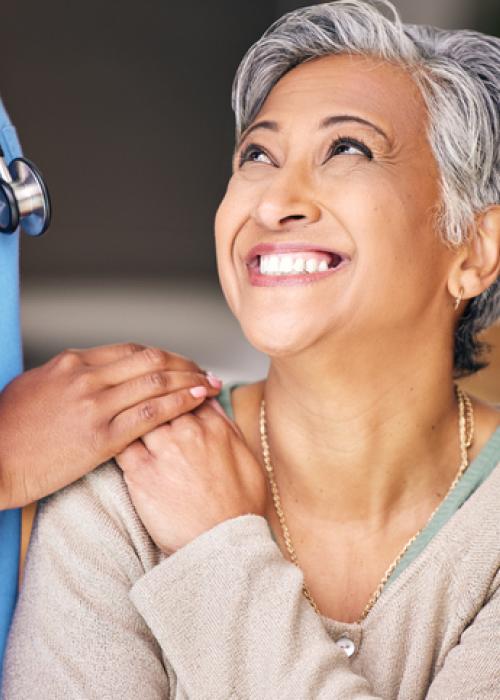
x=466 y=433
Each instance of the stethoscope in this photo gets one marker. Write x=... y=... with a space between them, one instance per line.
x=24 y=197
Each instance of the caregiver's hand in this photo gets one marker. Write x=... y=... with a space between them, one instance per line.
x=63 y=419
x=187 y=477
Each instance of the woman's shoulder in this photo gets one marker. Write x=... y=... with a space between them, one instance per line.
x=471 y=537
x=74 y=614
x=103 y=488
x=96 y=512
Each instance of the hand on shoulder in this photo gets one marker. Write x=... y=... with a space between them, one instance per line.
x=63 y=419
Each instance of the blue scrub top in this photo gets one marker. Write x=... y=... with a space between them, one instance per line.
x=10 y=366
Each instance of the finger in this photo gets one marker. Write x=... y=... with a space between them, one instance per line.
x=186 y=429
x=211 y=407
x=148 y=386
x=145 y=361
x=148 y=415
x=133 y=456
x=104 y=354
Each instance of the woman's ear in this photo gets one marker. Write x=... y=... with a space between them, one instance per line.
x=477 y=265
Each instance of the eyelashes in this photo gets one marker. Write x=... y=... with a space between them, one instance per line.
x=343 y=145
x=250 y=154
x=346 y=142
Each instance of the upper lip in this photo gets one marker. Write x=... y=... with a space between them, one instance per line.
x=282 y=248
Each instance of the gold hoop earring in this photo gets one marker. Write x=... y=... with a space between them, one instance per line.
x=459 y=298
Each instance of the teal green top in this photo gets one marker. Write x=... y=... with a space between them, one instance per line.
x=477 y=472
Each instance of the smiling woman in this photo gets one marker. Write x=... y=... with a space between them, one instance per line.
x=360 y=189
x=337 y=535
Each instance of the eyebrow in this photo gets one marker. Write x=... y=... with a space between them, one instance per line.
x=264 y=124
x=324 y=124
x=342 y=118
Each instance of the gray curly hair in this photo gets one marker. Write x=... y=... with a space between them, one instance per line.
x=458 y=73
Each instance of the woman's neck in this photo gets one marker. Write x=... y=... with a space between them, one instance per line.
x=359 y=444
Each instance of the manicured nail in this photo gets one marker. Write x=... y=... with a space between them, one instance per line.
x=198 y=392
x=214 y=381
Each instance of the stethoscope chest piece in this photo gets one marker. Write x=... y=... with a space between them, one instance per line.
x=24 y=198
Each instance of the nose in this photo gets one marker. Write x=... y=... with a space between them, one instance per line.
x=287 y=203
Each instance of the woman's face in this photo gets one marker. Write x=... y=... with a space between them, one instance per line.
x=327 y=230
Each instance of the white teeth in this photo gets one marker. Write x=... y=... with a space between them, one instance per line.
x=274 y=264
x=299 y=265
x=290 y=263
x=286 y=264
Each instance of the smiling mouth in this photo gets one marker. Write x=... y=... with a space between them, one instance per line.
x=306 y=263
x=291 y=266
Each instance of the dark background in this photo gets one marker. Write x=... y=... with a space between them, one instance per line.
x=125 y=106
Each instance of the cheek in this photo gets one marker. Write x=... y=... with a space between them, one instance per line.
x=233 y=214
x=226 y=225
x=393 y=224
x=228 y=221
x=403 y=261
x=229 y=217
x=400 y=213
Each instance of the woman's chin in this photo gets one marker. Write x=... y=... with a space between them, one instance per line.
x=285 y=327
x=283 y=340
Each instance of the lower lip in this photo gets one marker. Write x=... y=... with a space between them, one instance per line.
x=258 y=280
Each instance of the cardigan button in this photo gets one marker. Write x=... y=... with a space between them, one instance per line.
x=347 y=645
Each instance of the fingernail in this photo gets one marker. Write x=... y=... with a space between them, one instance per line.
x=198 y=392
x=214 y=381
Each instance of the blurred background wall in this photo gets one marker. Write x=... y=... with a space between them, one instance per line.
x=125 y=107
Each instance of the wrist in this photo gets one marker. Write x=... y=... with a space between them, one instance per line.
x=13 y=493
x=6 y=501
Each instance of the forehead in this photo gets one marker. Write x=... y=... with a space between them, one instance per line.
x=349 y=84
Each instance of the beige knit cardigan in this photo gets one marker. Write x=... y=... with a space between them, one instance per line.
x=103 y=614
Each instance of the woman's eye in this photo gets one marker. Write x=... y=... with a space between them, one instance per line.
x=349 y=147
x=254 y=154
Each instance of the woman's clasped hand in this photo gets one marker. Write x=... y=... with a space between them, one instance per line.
x=191 y=474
